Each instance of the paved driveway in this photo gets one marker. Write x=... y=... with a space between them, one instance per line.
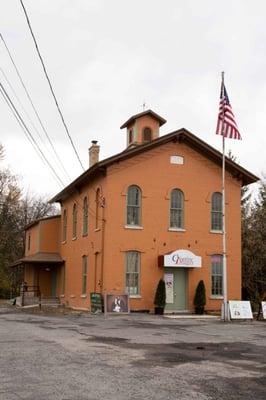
x=81 y=356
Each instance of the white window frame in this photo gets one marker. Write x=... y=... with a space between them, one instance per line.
x=179 y=210
x=216 y=212
x=84 y=275
x=133 y=207
x=132 y=291
x=217 y=276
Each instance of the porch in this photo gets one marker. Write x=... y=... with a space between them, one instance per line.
x=43 y=279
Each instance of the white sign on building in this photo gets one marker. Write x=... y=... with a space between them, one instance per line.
x=169 y=288
x=182 y=258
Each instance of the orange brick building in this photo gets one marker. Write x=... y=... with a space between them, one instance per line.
x=151 y=211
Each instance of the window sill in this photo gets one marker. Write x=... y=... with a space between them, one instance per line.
x=217 y=232
x=97 y=229
x=74 y=238
x=135 y=296
x=216 y=297
x=176 y=230
x=72 y=296
x=62 y=295
x=84 y=234
x=83 y=296
x=133 y=227
x=64 y=242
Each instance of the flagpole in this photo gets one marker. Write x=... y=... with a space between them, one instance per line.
x=225 y=297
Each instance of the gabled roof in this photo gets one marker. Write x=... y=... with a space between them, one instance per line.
x=181 y=135
x=148 y=112
x=36 y=221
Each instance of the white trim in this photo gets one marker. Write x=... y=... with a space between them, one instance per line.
x=84 y=296
x=135 y=296
x=133 y=227
x=176 y=230
x=219 y=232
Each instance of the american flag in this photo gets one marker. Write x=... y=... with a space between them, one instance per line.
x=226 y=124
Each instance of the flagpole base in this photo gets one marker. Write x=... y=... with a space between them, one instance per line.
x=225 y=313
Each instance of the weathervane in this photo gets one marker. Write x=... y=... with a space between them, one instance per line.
x=144 y=105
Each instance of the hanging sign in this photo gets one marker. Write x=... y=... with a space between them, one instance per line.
x=169 y=288
x=240 y=309
x=182 y=258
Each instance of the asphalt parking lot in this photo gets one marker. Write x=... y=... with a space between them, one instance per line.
x=138 y=356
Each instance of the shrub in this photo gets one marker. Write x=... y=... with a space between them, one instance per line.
x=200 y=298
x=160 y=295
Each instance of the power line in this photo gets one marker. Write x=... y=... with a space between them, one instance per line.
x=25 y=111
x=50 y=85
x=27 y=131
x=33 y=106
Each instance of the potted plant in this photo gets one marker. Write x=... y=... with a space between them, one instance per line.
x=200 y=298
x=160 y=298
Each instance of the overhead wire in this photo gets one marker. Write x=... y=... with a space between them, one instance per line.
x=33 y=106
x=26 y=113
x=27 y=132
x=50 y=85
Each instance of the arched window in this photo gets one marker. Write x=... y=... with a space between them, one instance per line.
x=64 y=233
x=130 y=136
x=74 y=221
x=217 y=275
x=146 y=135
x=133 y=205
x=97 y=214
x=85 y=216
x=133 y=272
x=217 y=212
x=177 y=209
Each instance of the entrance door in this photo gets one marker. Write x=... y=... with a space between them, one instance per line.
x=176 y=289
x=53 y=282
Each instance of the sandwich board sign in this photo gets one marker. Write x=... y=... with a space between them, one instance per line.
x=240 y=309
x=263 y=307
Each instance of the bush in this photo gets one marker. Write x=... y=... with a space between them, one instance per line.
x=200 y=298
x=160 y=295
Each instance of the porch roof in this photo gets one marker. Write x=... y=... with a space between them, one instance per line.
x=39 y=258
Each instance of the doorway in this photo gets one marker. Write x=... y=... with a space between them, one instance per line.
x=176 y=289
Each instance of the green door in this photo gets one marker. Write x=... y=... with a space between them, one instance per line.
x=176 y=289
x=53 y=282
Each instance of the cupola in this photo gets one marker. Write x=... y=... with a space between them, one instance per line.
x=143 y=128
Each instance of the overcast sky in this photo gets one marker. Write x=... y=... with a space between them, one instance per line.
x=105 y=57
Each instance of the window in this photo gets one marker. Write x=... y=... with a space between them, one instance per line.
x=177 y=209
x=217 y=275
x=146 y=135
x=216 y=212
x=133 y=205
x=85 y=216
x=130 y=136
x=29 y=241
x=64 y=226
x=74 y=221
x=132 y=272
x=84 y=274
x=97 y=201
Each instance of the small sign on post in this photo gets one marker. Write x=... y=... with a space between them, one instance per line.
x=240 y=309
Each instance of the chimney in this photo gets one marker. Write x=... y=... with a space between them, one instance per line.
x=94 y=153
